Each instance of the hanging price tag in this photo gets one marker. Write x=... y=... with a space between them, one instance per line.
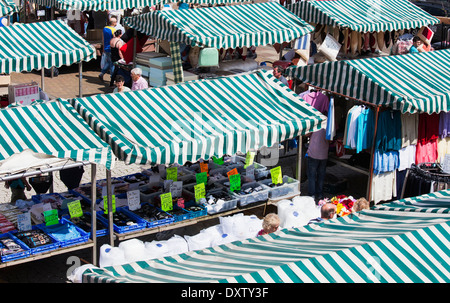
x=249 y=158
x=218 y=161
x=134 y=199
x=24 y=221
x=51 y=217
x=232 y=172
x=201 y=177
x=204 y=167
x=235 y=182
x=277 y=177
x=172 y=173
x=250 y=171
x=105 y=203
x=75 y=210
x=180 y=202
x=166 y=202
x=200 y=191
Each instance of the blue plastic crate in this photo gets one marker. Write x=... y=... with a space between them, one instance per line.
x=152 y=223
x=18 y=255
x=100 y=232
x=140 y=223
x=181 y=214
x=195 y=214
x=84 y=236
x=39 y=198
x=43 y=248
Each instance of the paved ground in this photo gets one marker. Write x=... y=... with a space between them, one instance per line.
x=53 y=269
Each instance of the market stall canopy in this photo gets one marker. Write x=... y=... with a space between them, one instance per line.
x=50 y=128
x=7 y=7
x=97 y=5
x=364 y=15
x=215 y=1
x=25 y=47
x=199 y=119
x=394 y=245
x=223 y=26
x=410 y=83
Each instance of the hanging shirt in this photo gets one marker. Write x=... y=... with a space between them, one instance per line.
x=353 y=127
x=407 y=156
x=410 y=128
x=331 y=124
x=389 y=131
x=318 y=100
x=365 y=130
x=385 y=162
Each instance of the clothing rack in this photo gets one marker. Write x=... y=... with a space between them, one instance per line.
x=428 y=171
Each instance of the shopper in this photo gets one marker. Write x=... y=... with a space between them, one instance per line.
x=361 y=204
x=278 y=73
x=120 y=85
x=327 y=212
x=108 y=34
x=316 y=162
x=417 y=45
x=270 y=224
x=115 y=44
x=18 y=189
x=138 y=81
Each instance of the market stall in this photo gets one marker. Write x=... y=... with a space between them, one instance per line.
x=399 y=242
x=408 y=92
x=239 y=26
x=39 y=46
x=198 y=120
x=361 y=27
x=39 y=139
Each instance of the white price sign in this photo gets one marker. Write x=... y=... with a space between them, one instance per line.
x=176 y=189
x=24 y=221
x=134 y=199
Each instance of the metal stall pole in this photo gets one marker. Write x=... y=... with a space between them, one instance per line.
x=299 y=161
x=369 y=182
x=43 y=79
x=134 y=47
x=93 y=212
x=110 y=214
x=80 y=78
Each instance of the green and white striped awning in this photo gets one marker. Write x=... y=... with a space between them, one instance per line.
x=52 y=128
x=33 y=46
x=376 y=245
x=7 y=7
x=199 y=119
x=97 y=5
x=364 y=15
x=214 y=1
x=224 y=26
x=410 y=83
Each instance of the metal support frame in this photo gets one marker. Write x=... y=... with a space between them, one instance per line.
x=80 y=79
x=110 y=213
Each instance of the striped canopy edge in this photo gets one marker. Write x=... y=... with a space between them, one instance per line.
x=213 y=133
x=33 y=46
x=53 y=128
x=376 y=245
x=7 y=7
x=422 y=81
x=98 y=5
x=364 y=15
x=238 y=25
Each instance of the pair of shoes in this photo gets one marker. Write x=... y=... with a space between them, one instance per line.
x=100 y=77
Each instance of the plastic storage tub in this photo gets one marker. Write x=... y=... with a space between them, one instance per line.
x=151 y=222
x=101 y=230
x=289 y=187
x=26 y=252
x=42 y=248
x=246 y=199
x=83 y=236
x=139 y=223
x=225 y=206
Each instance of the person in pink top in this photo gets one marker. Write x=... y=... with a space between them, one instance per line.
x=316 y=162
x=138 y=81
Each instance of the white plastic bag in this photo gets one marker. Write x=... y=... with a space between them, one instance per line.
x=110 y=256
x=133 y=250
x=199 y=241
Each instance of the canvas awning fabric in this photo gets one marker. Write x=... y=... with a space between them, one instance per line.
x=224 y=26
x=410 y=83
x=51 y=128
x=363 y=15
x=33 y=46
x=395 y=245
x=199 y=119
x=7 y=7
x=97 y=5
